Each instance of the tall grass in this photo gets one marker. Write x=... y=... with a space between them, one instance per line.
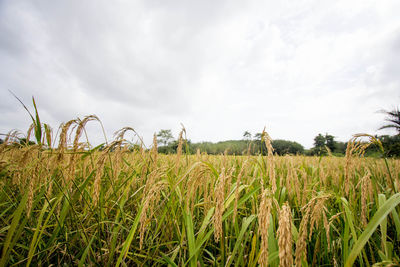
x=78 y=205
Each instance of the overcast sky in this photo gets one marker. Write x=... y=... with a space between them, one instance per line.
x=218 y=67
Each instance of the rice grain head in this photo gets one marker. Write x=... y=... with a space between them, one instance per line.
x=219 y=205
x=271 y=161
x=29 y=133
x=263 y=225
x=179 y=150
x=149 y=202
x=119 y=135
x=97 y=180
x=366 y=186
x=62 y=144
x=301 y=244
x=32 y=188
x=154 y=150
x=285 y=236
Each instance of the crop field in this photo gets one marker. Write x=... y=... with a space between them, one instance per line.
x=118 y=206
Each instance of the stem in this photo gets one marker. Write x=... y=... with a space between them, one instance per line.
x=390 y=175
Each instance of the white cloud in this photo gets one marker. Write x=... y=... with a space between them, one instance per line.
x=220 y=67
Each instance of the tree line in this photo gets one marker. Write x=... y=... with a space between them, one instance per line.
x=324 y=144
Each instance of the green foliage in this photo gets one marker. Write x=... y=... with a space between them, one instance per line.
x=230 y=147
x=319 y=145
x=164 y=137
x=283 y=147
x=90 y=211
x=37 y=125
x=172 y=147
x=237 y=147
x=392 y=119
x=391 y=146
x=330 y=142
x=323 y=143
x=247 y=135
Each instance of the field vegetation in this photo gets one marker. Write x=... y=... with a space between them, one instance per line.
x=124 y=205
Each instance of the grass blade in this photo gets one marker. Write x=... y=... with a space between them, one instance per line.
x=379 y=216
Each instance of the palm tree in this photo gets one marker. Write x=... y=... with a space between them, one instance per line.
x=393 y=119
x=247 y=135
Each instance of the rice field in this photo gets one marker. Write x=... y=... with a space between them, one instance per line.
x=116 y=206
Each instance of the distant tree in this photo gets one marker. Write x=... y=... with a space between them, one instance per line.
x=322 y=142
x=319 y=144
x=340 y=147
x=393 y=119
x=283 y=147
x=391 y=145
x=1 y=141
x=258 y=146
x=247 y=135
x=164 y=136
x=330 y=142
x=258 y=136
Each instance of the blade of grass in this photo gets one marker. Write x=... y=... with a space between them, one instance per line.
x=383 y=226
x=14 y=223
x=246 y=223
x=33 y=245
x=378 y=217
x=129 y=238
x=82 y=260
x=190 y=239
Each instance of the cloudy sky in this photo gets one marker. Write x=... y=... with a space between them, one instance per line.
x=218 y=67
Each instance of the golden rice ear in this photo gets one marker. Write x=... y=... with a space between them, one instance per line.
x=219 y=205
x=271 y=161
x=80 y=128
x=366 y=185
x=30 y=130
x=12 y=137
x=62 y=143
x=154 y=150
x=97 y=179
x=149 y=203
x=48 y=133
x=119 y=135
x=264 y=215
x=285 y=241
x=179 y=149
x=301 y=244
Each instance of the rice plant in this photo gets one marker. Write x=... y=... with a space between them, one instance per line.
x=112 y=205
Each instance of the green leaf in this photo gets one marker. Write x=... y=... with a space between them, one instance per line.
x=246 y=223
x=82 y=260
x=168 y=260
x=129 y=239
x=379 y=216
x=14 y=223
x=33 y=245
x=38 y=125
x=190 y=238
